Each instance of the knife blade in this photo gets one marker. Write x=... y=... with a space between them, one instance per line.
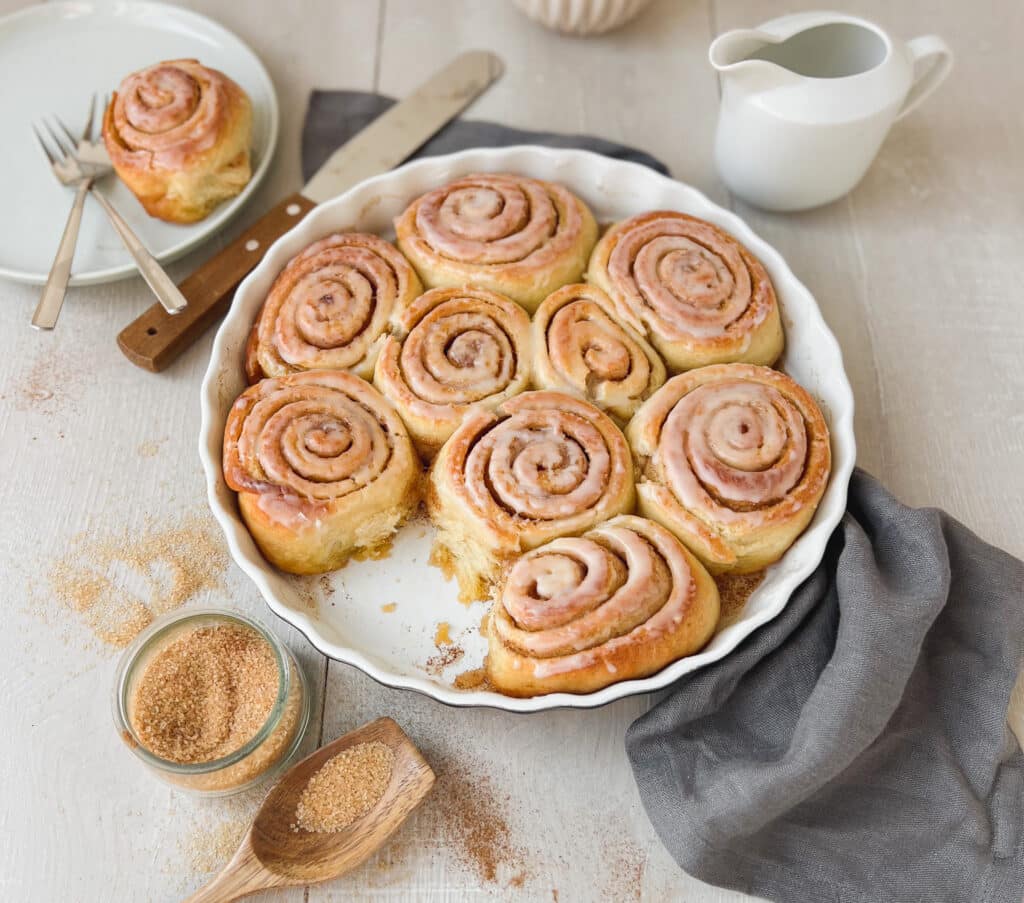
x=155 y=339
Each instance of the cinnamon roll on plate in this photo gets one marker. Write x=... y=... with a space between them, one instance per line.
x=178 y=135
x=541 y=465
x=520 y=237
x=451 y=349
x=698 y=295
x=734 y=459
x=323 y=467
x=579 y=613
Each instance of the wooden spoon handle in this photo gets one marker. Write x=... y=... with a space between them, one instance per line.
x=242 y=876
x=156 y=338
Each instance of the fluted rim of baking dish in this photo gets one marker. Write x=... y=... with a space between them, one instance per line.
x=615 y=179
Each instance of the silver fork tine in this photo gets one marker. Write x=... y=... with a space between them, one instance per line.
x=55 y=139
x=42 y=145
x=87 y=131
x=72 y=143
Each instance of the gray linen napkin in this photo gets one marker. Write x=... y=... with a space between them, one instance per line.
x=335 y=116
x=854 y=749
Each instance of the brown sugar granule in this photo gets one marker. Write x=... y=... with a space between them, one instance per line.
x=119 y=584
x=345 y=788
x=733 y=591
x=206 y=694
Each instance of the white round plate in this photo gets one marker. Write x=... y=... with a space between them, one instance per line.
x=53 y=58
x=341 y=613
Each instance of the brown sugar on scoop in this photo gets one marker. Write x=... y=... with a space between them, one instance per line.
x=345 y=788
x=206 y=694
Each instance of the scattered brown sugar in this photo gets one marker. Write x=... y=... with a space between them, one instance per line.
x=734 y=590
x=345 y=788
x=447 y=655
x=442 y=636
x=208 y=849
x=389 y=607
x=475 y=679
x=626 y=863
x=117 y=585
x=473 y=824
x=48 y=386
x=206 y=694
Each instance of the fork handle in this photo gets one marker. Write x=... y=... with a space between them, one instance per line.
x=153 y=339
x=50 y=302
x=167 y=293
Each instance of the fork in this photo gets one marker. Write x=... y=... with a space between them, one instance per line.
x=79 y=164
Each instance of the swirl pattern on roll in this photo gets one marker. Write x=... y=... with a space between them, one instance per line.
x=699 y=295
x=583 y=347
x=178 y=135
x=331 y=306
x=737 y=452
x=320 y=452
x=518 y=236
x=450 y=349
x=579 y=613
x=543 y=464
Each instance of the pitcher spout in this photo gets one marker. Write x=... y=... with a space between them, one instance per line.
x=735 y=56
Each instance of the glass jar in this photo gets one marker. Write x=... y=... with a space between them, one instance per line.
x=266 y=754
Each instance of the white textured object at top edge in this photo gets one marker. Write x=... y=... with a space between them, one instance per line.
x=393 y=646
x=582 y=17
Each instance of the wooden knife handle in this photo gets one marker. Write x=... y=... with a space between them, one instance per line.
x=156 y=338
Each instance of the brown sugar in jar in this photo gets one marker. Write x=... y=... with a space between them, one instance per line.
x=211 y=701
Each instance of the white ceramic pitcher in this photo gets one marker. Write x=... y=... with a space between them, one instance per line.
x=807 y=100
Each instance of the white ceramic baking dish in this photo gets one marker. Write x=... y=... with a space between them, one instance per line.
x=349 y=615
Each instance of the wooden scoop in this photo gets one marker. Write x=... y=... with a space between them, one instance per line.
x=273 y=855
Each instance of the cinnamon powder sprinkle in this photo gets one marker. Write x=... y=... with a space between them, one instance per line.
x=206 y=694
x=119 y=584
x=345 y=788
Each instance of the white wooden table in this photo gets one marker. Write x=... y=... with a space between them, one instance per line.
x=918 y=273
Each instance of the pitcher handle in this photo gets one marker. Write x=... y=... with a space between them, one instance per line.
x=932 y=59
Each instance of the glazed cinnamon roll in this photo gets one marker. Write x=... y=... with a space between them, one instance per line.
x=698 y=295
x=734 y=459
x=579 y=613
x=518 y=236
x=541 y=465
x=582 y=347
x=453 y=348
x=323 y=467
x=330 y=307
x=178 y=135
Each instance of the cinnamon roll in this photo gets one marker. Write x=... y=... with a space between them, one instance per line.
x=178 y=135
x=582 y=347
x=698 y=295
x=579 y=613
x=541 y=465
x=453 y=348
x=330 y=307
x=518 y=236
x=734 y=459
x=323 y=467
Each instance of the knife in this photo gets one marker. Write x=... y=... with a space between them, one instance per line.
x=155 y=339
